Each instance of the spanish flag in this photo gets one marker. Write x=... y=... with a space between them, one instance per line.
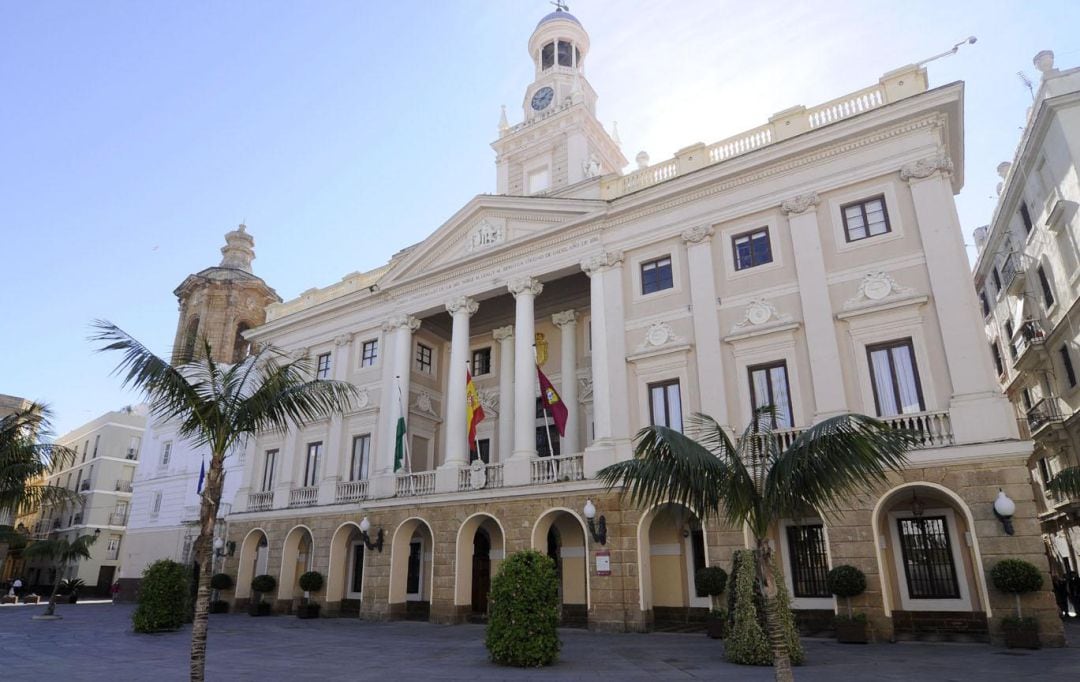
x=474 y=411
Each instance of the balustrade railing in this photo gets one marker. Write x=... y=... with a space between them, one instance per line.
x=846 y=106
x=933 y=429
x=303 y=497
x=118 y=519
x=123 y=486
x=491 y=476
x=351 y=491
x=260 y=501
x=558 y=469
x=1045 y=411
x=414 y=485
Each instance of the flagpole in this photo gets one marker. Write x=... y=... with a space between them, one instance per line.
x=405 y=436
x=544 y=407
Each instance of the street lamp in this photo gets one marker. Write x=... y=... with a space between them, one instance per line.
x=597 y=527
x=1004 y=508
x=365 y=526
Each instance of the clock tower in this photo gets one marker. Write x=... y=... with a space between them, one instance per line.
x=559 y=142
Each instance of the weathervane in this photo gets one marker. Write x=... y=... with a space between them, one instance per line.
x=560 y=6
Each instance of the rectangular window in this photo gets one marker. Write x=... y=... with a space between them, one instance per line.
x=1025 y=217
x=412 y=573
x=769 y=387
x=809 y=560
x=114 y=543
x=548 y=444
x=361 y=452
x=927 y=558
x=985 y=304
x=85 y=449
x=1047 y=290
x=166 y=453
x=322 y=368
x=481 y=450
x=97 y=442
x=895 y=378
x=1025 y=397
x=1066 y=362
x=656 y=275
x=481 y=362
x=1044 y=471
x=269 y=464
x=996 y=277
x=1011 y=333
x=423 y=358
x=369 y=353
x=156 y=507
x=311 y=464
x=864 y=219
x=665 y=404
x=999 y=363
x=133 y=447
x=538 y=180
x=751 y=248
x=356 y=581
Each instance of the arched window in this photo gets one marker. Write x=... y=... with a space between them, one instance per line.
x=191 y=337
x=241 y=346
x=547 y=56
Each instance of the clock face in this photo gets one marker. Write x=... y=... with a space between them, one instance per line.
x=542 y=98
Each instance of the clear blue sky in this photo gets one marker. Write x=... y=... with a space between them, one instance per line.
x=133 y=135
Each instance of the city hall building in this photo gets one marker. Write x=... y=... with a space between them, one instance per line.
x=814 y=263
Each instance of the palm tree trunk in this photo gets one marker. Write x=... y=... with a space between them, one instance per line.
x=777 y=640
x=204 y=556
x=51 y=610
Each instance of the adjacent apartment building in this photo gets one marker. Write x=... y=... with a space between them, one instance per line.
x=814 y=263
x=106 y=453
x=1027 y=277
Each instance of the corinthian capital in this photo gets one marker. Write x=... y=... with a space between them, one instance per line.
x=696 y=235
x=399 y=321
x=503 y=333
x=601 y=261
x=800 y=204
x=462 y=304
x=566 y=317
x=524 y=285
x=924 y=168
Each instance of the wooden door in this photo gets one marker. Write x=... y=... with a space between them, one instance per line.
x=481 y=572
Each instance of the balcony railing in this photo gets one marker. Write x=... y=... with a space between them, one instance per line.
x=1043 y=413
x=558 y=469
x=351 y=491
x=304 y=497
x=118 y=519
x=84 y=486
x=491 y=476
x=414 y=485
x=260 y=501
x=1031 y=339
x=933 y=429
x=123 y=486
x=1013 y=273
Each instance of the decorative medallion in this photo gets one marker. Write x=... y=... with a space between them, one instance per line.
x=759 y=312
x=477 y=474
x=423 y=402
x=363 y=399
x=874 y=287
x=659 y=334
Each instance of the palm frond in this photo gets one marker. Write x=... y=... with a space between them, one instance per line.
x=1066 y=482
x=740 y=494
x=25 y=461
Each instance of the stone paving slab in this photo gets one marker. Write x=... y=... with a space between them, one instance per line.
x=95 y=642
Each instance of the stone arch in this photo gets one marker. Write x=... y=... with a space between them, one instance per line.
x=338 y=575
x=412 y=529
x=190 y=340
x=254 y=550
x=671 y=549
x=937 y=498
x=298 y=552
x=241 y=346
x=574 y=578
x=464 y=565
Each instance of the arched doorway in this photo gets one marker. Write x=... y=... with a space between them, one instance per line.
x=929 y=564
x=671 y=549
x=297 y=557
x=411 y=579
x=480 y=549
x=253 y=561
x=560 y=534
x=345 y=575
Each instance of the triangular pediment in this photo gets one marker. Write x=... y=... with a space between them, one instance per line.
x=486 y=225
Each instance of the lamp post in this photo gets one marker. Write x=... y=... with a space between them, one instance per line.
x=1004 y=508
x=365 y=526
x=597 y=527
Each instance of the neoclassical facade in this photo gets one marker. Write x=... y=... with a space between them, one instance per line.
x=814 y=263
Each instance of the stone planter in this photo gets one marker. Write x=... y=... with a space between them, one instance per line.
x=261 y=608
x=851 y=631
x=219 y=606
x=9 y=599
x=307 y=611
x=32 y=599
x=1021 y=637
x=716 y=628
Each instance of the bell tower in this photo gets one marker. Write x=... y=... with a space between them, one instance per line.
x=221 y=303
x=559 y=142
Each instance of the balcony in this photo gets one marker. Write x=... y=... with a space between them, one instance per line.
x=260 y=501
x=118 y=519
x=123 y=486
x=304 y=497
x=1045 y=418
x=84 y=486
x=1029 y=347
x=112 y=554
x=932 y=430
x=131 y=454
x=477 y=478
x=415 y=485
x=351 y=491
x=557 y=469
x=1014 y=273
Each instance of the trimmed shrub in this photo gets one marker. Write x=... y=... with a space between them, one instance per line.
x=847 y=582
x=221 y=581
x=521 y=629
x=312 y=581
x=782 y=609
x=746 y=642
x=711 y=581
x=163 y=597
x=263 y=584
x=1016 y=577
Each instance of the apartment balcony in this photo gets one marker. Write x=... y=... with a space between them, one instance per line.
x=351 y=491
x=84 y=486
x=118 y=519
x=123 y=486
x=1014 y=273
x=1045 y=419
x=415 y=485
x=304 y=497
x=1030 y=346
x=260 y=501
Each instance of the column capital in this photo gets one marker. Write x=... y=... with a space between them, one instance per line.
x=800 y=203
x=343 y=339
x=565 y=318
x=601 y=261
x=525 y=285
x=462 y=304
x=924 y=168
x=503 y=333
x=399 y=321
x=698 y=235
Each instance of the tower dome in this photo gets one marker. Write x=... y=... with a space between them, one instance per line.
x=558 y=14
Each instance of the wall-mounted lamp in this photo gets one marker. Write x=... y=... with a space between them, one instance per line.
x=365 y=526
x=597 y=527
x=1004 y=508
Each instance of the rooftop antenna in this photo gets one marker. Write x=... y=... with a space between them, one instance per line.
x=970 y=40
x=1027 y=83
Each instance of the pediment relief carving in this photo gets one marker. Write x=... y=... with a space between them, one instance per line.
x=876 y=288
x=760 y=314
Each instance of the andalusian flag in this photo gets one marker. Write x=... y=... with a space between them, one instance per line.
x=399 y=444
x=474 y=411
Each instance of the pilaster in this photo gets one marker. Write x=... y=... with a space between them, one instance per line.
x=703 y=300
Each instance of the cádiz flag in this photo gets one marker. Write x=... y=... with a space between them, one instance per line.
x=474 y=411
x=399 y=444
x=552 y=402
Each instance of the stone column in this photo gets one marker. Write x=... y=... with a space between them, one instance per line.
x=566 y=321
x=978 y=410
x=397 y=368
x=710 y=368
x=818 y=323
x=610 y=391
x=291 y=456
x=336 y=453
x=457 y=447
x=505 y=337
x=525 y=291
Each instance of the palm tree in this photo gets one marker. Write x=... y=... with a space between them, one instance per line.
x=755 y=482
x=221 y=406
x=59 y=551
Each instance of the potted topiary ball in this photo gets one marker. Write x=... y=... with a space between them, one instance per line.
x=312 y=581
x=260 y=585
x=848 y=582
x=1016 y=577
x=711 y=582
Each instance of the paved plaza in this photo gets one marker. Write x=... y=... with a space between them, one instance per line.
x=95 y=642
